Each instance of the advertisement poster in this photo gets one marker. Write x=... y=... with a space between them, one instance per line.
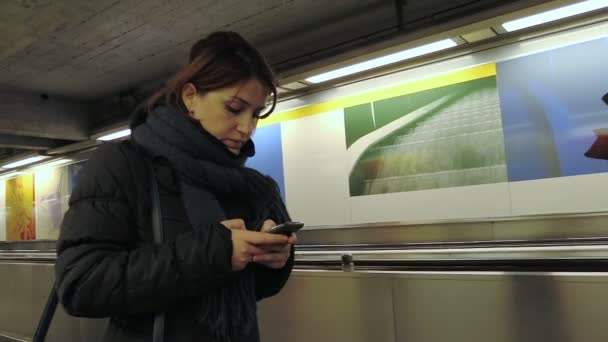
x=553 y=112
x=438 y=138
x=51 y=201
x=20 y=215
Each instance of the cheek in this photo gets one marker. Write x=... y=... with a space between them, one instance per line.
x=226 y=127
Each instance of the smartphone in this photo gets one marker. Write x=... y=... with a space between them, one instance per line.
x=286 y=228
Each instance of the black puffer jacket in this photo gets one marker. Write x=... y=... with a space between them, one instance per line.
x=107 y=265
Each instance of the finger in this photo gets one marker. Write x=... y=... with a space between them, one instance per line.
x=277 y=265
x=276 y=248
x=258 y=238
x=293 y=238
x=253 y=250
x=237 y=224
x=274 y=265
x=270 y=258
x=268 y=224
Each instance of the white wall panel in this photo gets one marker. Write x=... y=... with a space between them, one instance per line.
x=560 y=195
x=487 y=200
x=314 y=160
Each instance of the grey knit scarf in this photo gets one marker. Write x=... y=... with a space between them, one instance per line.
x=208 y=172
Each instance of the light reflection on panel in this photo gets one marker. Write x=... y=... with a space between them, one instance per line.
x=329 y=309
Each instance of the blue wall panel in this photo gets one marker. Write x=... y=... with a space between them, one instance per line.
x=551 y=103
x=268 y=157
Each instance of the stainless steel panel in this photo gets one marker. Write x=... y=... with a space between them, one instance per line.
x=329 y=308
x=583 y=308
x=500 y=307
x=11 y=338
x=533 y=227
x=63 y=328
x=23 y=294
x=524 y=228
x=561 y=252
x=451 y=308
x=390 y=306
x=552 y=227
x=398 y=233
x=374 y=306
x=5 y=294
x=15 y=289
x=41 y=283
x=41 y=245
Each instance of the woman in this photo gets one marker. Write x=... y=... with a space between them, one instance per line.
x=216 y=261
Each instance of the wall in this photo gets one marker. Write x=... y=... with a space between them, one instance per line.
x=33 y=203
x=504 y=132
x=329 y=306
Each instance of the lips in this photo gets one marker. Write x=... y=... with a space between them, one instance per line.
x=233 y=145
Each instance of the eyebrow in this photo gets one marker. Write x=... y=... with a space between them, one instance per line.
x=246 y=102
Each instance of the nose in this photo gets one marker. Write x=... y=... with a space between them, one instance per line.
x=246 y=124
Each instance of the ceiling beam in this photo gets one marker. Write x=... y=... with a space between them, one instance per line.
x=42 y=116
x=30 y=143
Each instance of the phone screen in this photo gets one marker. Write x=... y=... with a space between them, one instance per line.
x=286 y=228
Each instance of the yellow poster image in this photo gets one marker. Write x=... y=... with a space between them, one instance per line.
x=20 y=216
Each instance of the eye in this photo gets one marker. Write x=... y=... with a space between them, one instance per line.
x=233 y=109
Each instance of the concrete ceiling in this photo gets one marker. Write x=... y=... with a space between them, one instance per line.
x=69 y=67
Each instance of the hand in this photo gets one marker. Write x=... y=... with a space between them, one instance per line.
x=276 y=255
x=246 y=244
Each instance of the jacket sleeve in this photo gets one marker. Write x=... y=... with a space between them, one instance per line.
x=101 y=271
x=268 y=281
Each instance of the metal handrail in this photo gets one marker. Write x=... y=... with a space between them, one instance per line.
x=499 y=253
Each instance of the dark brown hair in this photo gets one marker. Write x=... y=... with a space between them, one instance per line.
x=216 y=61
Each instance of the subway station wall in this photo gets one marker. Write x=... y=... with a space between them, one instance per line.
x=32 y=204
x=504 y=132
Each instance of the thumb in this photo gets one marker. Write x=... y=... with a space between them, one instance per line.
x=268 y=224
x=236 y=224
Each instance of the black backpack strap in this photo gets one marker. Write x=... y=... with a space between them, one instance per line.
x=47 y=316
x=158 y=334
x=137 y=154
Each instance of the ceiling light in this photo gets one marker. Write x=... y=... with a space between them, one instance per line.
x=389 y=59
x=23 y=162
x=556 y=14
x=53 y=163
x=115 y=135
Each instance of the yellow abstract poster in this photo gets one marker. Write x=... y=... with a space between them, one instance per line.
x=20 y=216
x=51 y=201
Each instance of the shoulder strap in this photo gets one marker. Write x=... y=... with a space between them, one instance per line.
x=158 y=333
x=157 y=223
x=47 y=316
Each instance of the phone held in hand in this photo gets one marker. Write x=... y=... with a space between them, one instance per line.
x=286 y=228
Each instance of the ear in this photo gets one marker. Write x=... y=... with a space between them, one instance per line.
x=189 y=93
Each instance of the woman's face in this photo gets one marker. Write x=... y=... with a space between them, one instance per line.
x=231 y=113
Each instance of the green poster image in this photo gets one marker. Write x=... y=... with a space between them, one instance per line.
x=438 y=138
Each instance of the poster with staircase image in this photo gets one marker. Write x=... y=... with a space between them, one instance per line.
x=446 y=136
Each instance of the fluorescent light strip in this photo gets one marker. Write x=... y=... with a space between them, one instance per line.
x=381 y=61
x=116 y=135
x=23 y=162
x=556 y=14
x=53 y=163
